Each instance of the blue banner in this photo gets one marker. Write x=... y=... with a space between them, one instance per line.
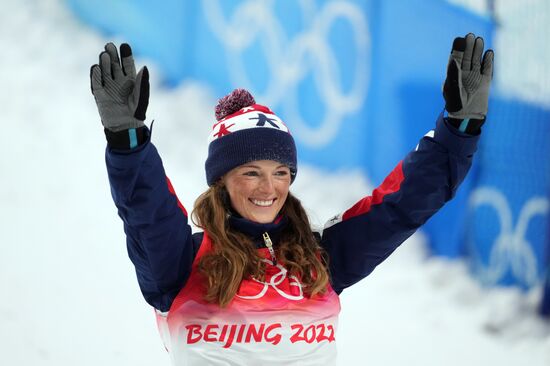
x=358 y=83
x=507 y=226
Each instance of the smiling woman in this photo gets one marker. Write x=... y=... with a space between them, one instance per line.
x=258 y=190
x=258 y=286
x=248 y=215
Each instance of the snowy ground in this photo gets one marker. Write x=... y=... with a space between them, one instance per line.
x=68 y=291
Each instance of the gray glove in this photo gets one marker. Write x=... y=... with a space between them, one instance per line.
x=121 y=96
x=466 y=88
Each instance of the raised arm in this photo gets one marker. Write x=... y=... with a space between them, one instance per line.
x=158 y=236
x=365 y=235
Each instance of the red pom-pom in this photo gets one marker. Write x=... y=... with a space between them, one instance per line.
x=231 y=103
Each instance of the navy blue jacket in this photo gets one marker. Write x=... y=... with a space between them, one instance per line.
x=162 y=247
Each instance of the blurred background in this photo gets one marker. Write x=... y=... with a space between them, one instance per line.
x=359 y=83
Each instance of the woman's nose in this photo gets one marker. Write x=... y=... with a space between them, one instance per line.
x=266 y=184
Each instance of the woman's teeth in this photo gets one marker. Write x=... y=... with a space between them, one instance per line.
x=262 y=203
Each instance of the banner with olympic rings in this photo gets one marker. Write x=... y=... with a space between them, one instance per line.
x=358 y=82
x=507 y=220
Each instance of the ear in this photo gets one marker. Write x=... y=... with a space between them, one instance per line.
x=221 y=183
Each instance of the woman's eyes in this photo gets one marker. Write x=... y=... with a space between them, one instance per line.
x=252 y=173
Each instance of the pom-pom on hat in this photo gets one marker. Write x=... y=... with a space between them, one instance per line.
x=245 y=131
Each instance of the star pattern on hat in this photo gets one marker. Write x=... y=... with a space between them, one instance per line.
x=256 y=134
x=262 y=119
x=223 y=130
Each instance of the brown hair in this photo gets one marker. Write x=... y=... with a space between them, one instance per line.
x=234 y=256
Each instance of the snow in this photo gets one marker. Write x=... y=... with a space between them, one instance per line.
x=69 y=293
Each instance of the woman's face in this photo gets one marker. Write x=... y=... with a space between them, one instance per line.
x=258 y=189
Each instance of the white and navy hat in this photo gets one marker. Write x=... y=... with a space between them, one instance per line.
x=245 y=132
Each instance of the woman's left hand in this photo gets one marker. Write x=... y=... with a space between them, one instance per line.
x=466 y=88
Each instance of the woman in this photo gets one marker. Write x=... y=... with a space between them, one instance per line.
x=257 y=285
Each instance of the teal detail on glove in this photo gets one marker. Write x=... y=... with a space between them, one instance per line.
x=133 y=138
x=125 y=140
x=464 y=125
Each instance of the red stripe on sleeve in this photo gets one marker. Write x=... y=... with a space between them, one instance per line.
x=390 y=185
x=171 y=189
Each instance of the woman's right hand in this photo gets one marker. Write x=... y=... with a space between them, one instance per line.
x=121 y=96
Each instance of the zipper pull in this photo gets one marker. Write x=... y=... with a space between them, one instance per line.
x=269 y=245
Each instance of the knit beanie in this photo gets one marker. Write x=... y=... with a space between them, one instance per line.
x=245 y=131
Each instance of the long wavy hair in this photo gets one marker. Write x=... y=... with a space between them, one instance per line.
x=234 y=256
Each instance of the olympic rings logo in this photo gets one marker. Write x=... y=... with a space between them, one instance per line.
x=510 y=250
x=290 y=61
x=274 y=282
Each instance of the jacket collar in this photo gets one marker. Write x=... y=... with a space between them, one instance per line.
x=256 y=230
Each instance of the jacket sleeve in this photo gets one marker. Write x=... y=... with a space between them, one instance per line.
x=359 y=239
x=158 y=236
